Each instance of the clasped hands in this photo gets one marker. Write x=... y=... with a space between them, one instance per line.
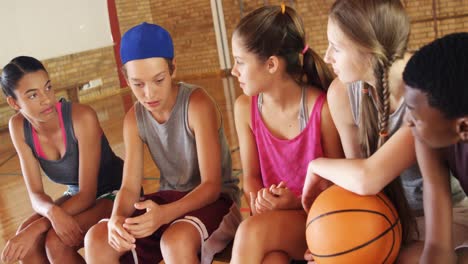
x=276 y=197
x=123 y=231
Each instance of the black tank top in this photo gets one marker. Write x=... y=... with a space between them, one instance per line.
x=66 y=169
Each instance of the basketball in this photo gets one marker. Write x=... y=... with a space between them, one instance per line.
x=343 y=227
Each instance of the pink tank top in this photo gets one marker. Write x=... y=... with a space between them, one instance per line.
x=287 y=160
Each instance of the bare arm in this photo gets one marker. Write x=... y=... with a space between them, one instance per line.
x=59 y=216
x=248 y=149
x=133 y=168
x=88 y=133
x=363 y=176
x=41 y=202
x=340 y=110
x=371 y=175
x=438 y=247
x=124 y=205
x=18 y=246
x=331 y=143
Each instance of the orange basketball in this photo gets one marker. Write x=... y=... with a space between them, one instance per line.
x=343 y=227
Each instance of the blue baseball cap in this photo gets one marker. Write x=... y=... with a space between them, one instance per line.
x=146 y=41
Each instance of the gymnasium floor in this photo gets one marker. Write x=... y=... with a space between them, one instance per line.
x=14 y=201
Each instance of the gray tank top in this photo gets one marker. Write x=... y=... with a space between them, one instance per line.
x=173 y=148
x=411 y=178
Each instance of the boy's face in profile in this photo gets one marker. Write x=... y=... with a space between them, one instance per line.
x=429 y=124
x=151 y=82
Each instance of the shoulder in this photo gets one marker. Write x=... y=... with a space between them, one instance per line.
x=337 y=93
x=16 y=120
x=83 y=114
x=15 y=126
x=201 y=103
x=130 y=117
x=242 y=109
x=202 y=109
x=84 y=118
x=339 y=104
x=311 y=95
x=85 y=122
x=199 y=98
x=130 y=125
x=243 y=104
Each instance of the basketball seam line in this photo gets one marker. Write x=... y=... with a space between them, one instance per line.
x=360 y=246
x=393 y=231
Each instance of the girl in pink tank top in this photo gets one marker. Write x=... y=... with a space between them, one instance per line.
x=285 y=160
x=283 y=123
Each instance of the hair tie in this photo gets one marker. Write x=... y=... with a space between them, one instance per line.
x=383 y=134
x=283 y=8
x=306 y=48
x=365 y=90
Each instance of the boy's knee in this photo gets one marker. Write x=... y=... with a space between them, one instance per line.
x=97 y=248
x=176 y=240
x=96 y=236
x=171 y=244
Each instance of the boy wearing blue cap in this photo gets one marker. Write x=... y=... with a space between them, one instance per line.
x=195 y=213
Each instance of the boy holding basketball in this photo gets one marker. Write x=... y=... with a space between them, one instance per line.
x=436 y=97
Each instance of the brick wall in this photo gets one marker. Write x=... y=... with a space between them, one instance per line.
x=191 y=25
x=78 y=68
x=132 y=12
x=83 y=67
x=451 y=16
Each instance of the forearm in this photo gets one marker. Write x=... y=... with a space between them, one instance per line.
x=350 y=174
x=78 y=203
x=252 y=184
x=438 y=219
x=124 y=202
x=203 y=195
x=433 y=253
x=42 y=203
x=38 y=227
x=437 y=204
